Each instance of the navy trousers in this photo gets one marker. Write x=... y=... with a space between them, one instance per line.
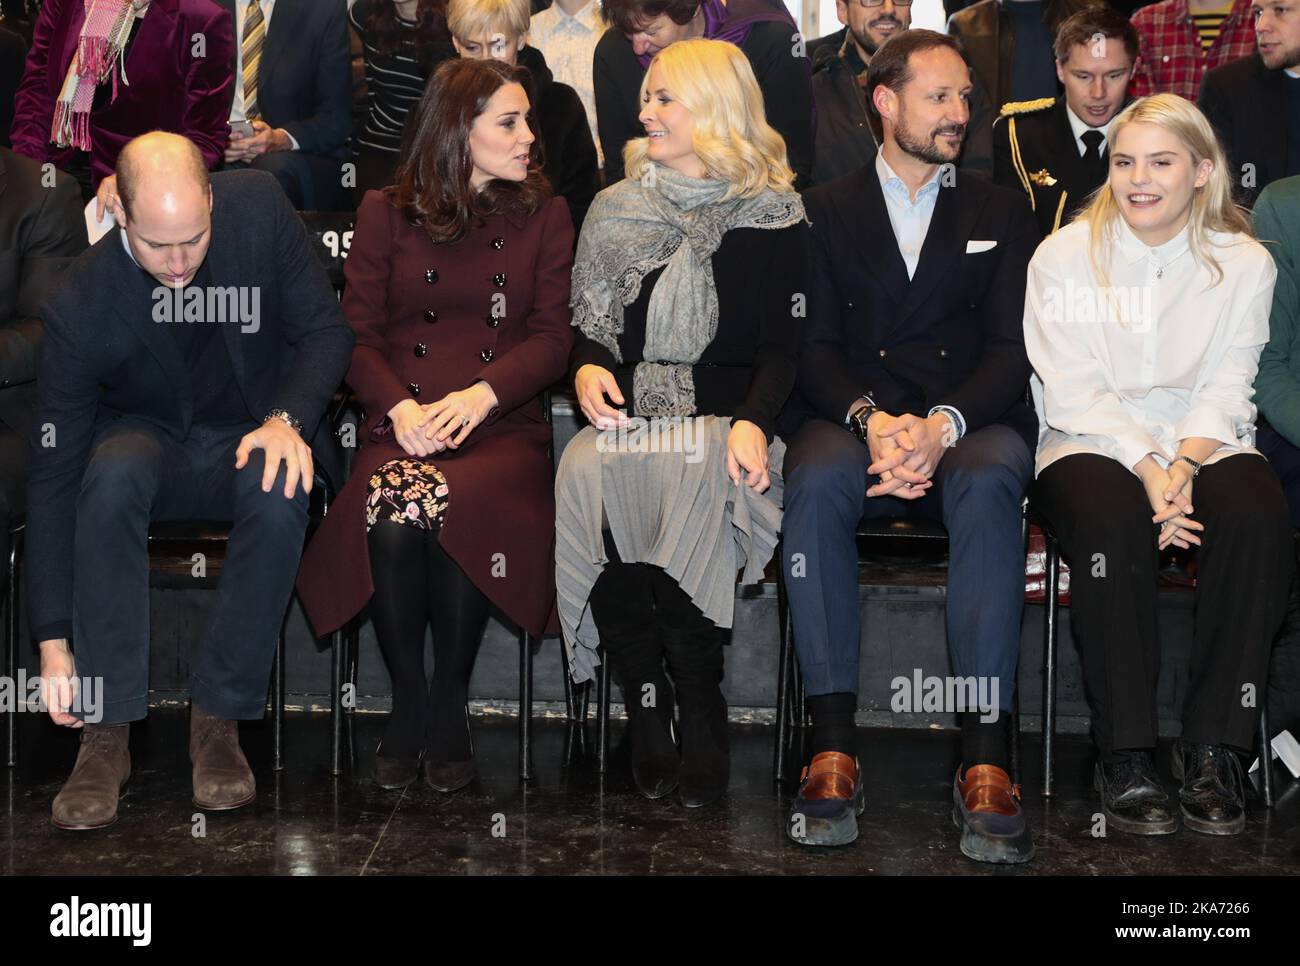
x=137 y=475
x=977 y=495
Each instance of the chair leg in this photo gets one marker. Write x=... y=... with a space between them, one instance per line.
x=602 y=717
x=1015 y=738
x=277 y=708
x=782 y=682
x=1265 y=756
x=525 y=707
x=570 y=704
x=11 y=648
x=1051 y=635
x=337 y=647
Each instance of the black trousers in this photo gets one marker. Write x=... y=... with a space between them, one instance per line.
x=14 y=459
x=137 y=475
x=1099 y=512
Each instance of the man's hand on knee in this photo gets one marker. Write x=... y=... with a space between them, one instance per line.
x=59 y=682
x=279 y=443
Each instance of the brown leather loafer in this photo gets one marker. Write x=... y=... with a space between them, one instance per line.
x=986 y=807
x=89 y=797
x=829 y=801
x=222 y=778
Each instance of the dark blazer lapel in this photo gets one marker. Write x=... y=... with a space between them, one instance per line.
x=945 y=242
x=1064 y=151
x=866 y=228
x=133 y=284
x=285 y=20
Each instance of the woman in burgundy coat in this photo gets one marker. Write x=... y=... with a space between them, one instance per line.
x=166 y=81
x=458 y=291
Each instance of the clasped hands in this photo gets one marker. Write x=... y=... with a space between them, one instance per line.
x=905 y=452
x=746 y=443
x=1170 y=494
x=424 y=430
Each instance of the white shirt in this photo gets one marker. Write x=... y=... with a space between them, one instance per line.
x=1184 y=364
x=569 y=45
x=1078 y=127
x=910 y=219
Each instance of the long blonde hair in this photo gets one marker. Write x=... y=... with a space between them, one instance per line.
x=1212 y=206
x=714 y=81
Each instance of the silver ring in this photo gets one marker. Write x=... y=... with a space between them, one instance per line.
x=464 y=421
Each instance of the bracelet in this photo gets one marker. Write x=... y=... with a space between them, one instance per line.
x=1196 y=467
x=283 y=416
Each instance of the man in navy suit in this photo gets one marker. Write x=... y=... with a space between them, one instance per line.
x=188 y=357
x=293 y=86
x=910 y=402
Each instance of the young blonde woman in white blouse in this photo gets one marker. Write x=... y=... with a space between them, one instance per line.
x=1144 y=322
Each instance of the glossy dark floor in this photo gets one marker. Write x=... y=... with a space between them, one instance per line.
x=569 y=821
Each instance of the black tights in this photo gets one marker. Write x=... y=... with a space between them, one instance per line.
x=417 y=582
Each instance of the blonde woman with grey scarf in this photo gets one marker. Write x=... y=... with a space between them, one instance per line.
x=687 y=296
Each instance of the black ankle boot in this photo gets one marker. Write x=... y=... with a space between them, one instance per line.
x=694 y=651
x=622 y=605
x=655 y=762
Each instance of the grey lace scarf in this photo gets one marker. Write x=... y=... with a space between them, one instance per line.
x=663 y=219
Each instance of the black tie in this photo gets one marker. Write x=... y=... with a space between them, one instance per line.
x=1092 y=159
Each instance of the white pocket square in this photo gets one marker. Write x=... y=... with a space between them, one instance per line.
x=975 y=247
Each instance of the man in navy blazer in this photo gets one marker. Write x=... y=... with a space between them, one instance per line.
x=187 y=358
x=301 y=107
x=910 y=402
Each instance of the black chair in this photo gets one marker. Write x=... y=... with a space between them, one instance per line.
x=1051 y=634
x=331 y=236
x=791 y=706
x=11 y=604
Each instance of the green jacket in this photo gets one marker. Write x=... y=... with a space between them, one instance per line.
x=1277 y=387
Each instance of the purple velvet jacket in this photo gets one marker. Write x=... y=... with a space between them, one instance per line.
x=170 y=88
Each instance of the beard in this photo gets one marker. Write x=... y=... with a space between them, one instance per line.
x=1287 y=59
x=863 y=35
x=929 y=150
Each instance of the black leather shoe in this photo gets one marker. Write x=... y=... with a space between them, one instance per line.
x=392 y=773
x=1132 y=798
x=1213 y=796
x=449 y=776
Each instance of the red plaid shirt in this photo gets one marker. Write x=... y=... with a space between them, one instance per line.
x=1169 y=51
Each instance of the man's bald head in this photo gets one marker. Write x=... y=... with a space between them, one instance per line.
x=159 y=165
x=167 y=201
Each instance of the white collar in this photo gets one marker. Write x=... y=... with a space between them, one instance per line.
x=126 y=243
x=886 y=174
x=1078 y=126
x=1135 y=249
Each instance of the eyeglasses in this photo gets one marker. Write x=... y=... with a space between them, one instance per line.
x=879 y=3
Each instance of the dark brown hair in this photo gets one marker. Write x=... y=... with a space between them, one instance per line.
x=891 y=65
x=1090 y=23
x=629 y=16
x=384 y=30
x=432 y=182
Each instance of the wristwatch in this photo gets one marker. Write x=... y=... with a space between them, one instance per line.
x=1196 y=467
x=858 y=421
x=283 y=416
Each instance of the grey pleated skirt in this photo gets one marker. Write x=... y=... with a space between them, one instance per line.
x=664 y=491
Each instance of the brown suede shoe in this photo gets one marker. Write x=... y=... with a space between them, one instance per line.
x=222 y=778
x=88 y=798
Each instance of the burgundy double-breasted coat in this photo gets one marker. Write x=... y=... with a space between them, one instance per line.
x=432 y=319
